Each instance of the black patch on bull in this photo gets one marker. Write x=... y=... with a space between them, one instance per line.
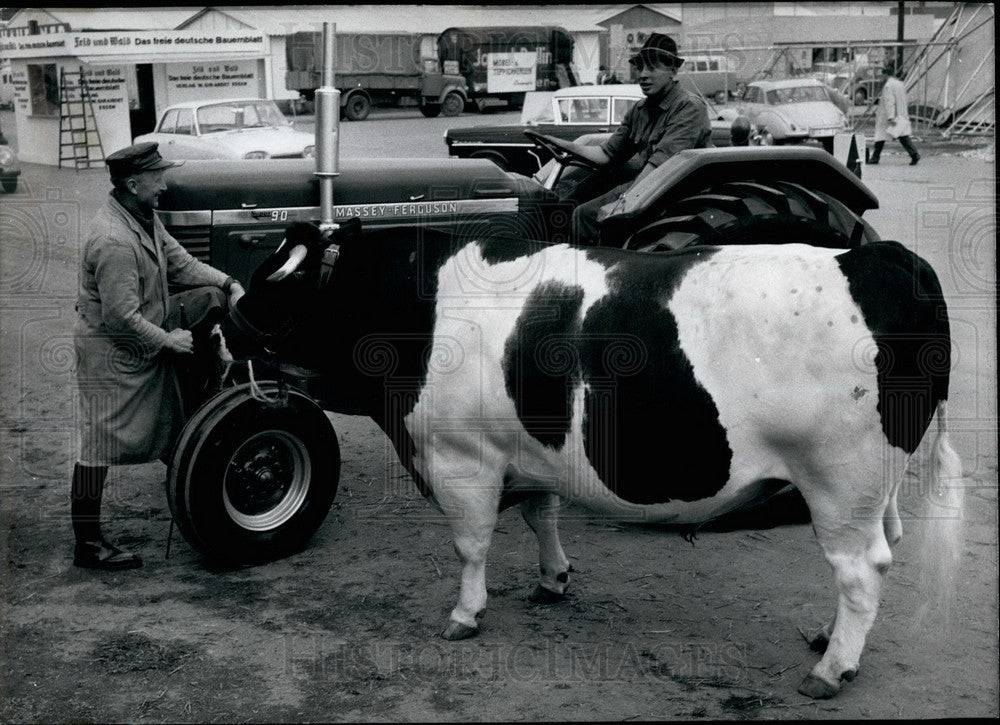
x=903 y=306
x=651 y=431
x=540 y=362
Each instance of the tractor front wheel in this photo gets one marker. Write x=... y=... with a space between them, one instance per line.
x=252 y=478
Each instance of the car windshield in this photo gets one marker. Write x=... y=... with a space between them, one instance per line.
x=584 y=110
x=797 y=94
x=232 y=116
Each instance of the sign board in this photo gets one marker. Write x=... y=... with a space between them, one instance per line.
x=91 y=46
x=215 y=79
x=511 y=72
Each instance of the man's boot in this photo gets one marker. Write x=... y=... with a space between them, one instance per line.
x=910 y=149
x=873 y=160
x=91 y=550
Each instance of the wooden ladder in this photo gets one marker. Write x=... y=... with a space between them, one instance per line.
x=78 y=132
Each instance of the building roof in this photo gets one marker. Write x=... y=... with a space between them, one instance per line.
x=429 y=18
x=109 y=18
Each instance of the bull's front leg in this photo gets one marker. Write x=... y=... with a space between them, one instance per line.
x=541 y=512
x=471 y=507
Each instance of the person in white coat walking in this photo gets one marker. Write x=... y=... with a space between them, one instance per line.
x=892 y=118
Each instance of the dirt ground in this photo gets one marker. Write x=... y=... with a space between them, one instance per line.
x=655 y=627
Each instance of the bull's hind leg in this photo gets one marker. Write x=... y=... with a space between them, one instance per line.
x=541 y=512
x=471 y=507
x=854 y=543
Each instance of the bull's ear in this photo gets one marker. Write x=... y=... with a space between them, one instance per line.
x=303 y=233
x=348 y=229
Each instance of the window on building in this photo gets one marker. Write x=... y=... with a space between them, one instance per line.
x=43 y=87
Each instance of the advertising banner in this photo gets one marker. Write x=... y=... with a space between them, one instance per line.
x=95 y=45
x=511 y=72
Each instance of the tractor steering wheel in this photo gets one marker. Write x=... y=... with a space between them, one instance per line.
x=562 y=151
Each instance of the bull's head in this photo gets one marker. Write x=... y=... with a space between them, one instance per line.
x=283 y=288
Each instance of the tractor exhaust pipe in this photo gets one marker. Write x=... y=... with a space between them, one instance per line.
x=327 y=130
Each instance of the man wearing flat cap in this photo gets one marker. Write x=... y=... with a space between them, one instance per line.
x=129 y=336
x=667 y=120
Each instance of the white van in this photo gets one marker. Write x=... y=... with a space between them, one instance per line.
x=714 y=76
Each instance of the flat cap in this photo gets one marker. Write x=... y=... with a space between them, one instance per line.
x=137 y=158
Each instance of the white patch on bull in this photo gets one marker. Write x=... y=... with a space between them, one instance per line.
x=464 y=416
x=772 y=334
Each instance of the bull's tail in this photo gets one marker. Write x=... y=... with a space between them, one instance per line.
x=943 y=525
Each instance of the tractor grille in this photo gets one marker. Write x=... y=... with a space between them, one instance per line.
x=196 y=240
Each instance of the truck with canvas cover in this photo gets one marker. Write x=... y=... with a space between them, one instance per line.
x=505 y=62
x=375 y=69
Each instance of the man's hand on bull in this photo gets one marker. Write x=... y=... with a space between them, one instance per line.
x=181 y=341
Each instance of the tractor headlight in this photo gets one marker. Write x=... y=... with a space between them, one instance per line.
x=256 y=155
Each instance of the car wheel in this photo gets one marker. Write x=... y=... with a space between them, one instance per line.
x=766 y=212
x=860 y=96
x=357 y=107
x=10 y=185
x=453 y=104
x=431 y=110
x=251 y=480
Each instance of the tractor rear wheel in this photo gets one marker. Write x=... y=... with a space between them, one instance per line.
x=749 y=212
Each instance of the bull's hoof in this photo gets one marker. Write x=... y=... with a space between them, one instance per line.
x=817 y=688
x=456 y=631
x=541 y=595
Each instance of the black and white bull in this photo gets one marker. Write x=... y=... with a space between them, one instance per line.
x=669 y=388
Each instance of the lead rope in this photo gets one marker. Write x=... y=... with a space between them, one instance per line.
x=255 y=392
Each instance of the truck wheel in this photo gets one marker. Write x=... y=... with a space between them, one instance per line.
x=748 y=212
x=357 y=107
x=431 y=110
x=251 y=481
x=453 y=104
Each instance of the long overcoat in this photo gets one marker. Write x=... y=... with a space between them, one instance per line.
x=892 y=118
x=130 y=404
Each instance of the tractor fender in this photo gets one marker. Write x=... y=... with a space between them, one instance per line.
x=690 y=172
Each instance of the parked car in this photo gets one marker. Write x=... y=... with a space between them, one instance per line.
x=228 y=129
x=567 y=114
x=10 y=166
x=792 y=111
